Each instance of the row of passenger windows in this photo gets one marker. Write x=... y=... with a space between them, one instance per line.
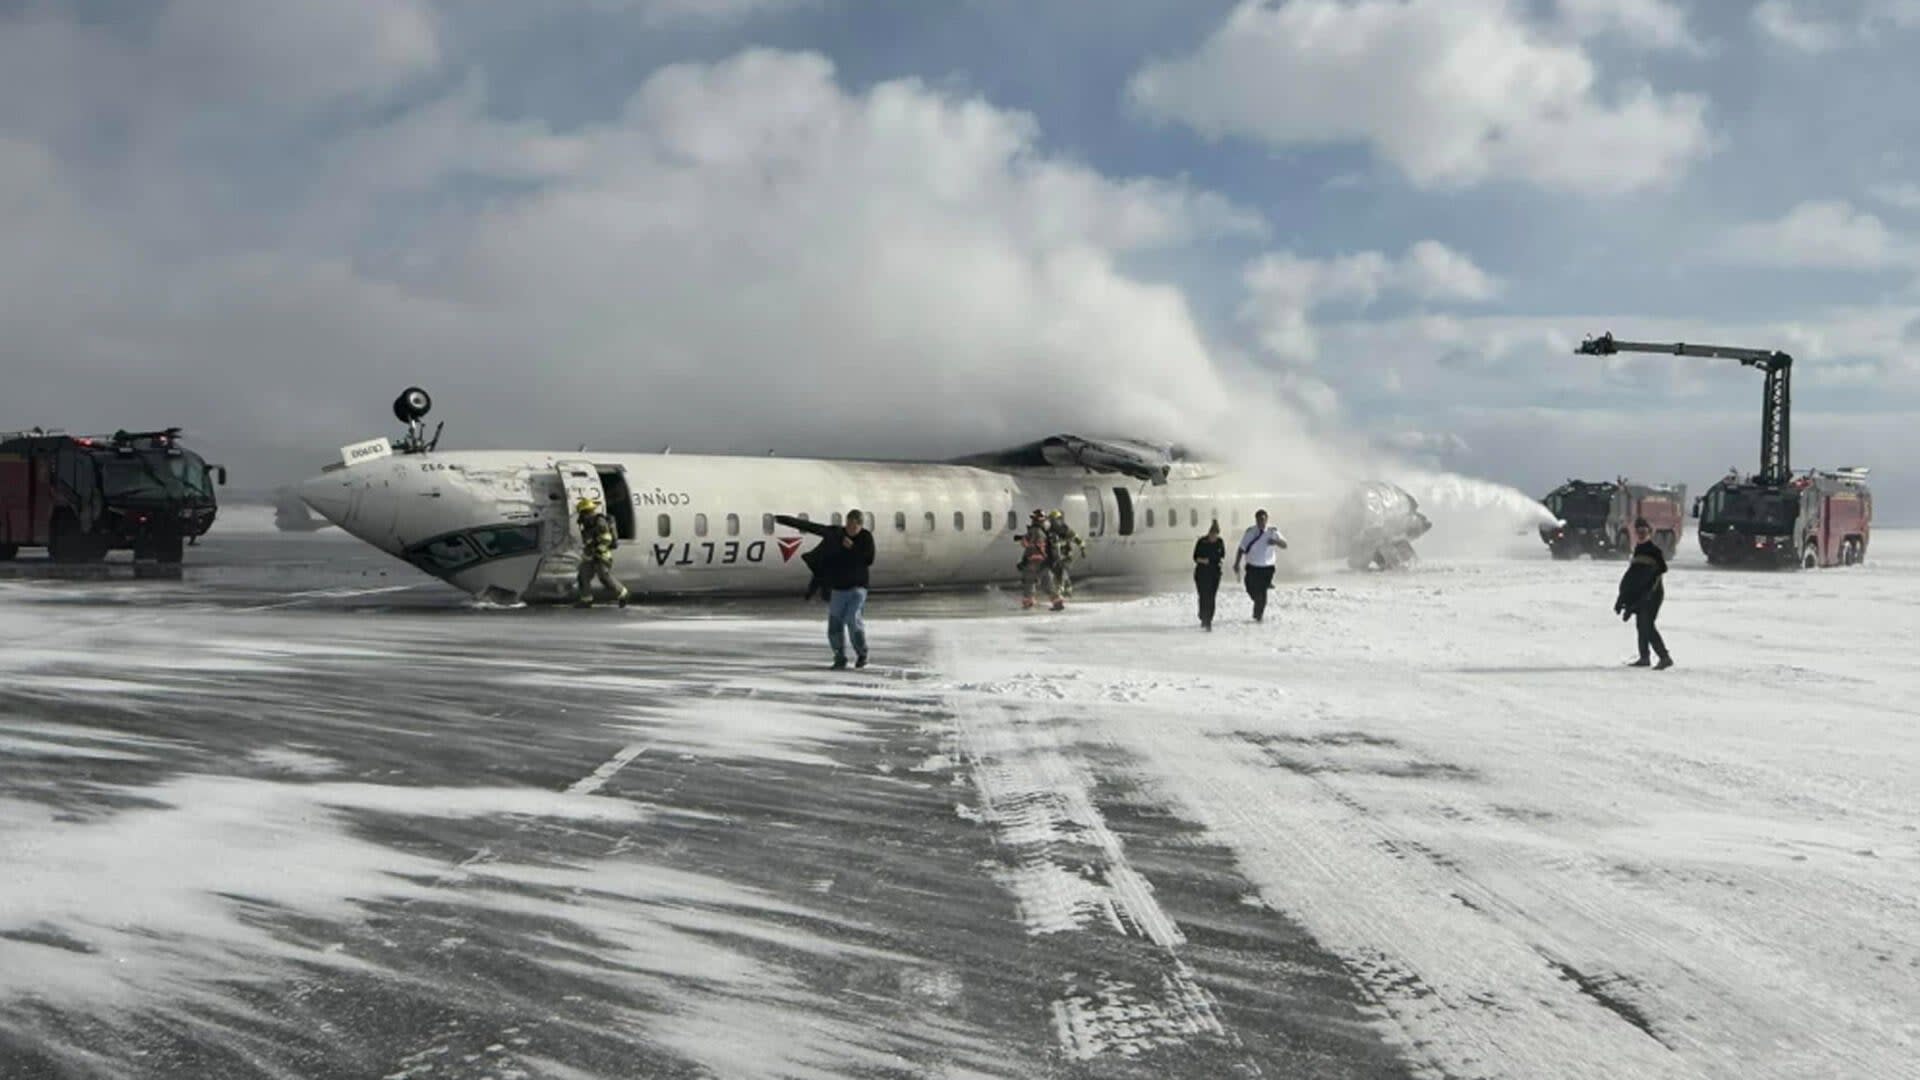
x=928 y=521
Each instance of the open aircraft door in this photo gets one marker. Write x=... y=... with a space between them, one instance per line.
x=578 y=480
x=1088 y=518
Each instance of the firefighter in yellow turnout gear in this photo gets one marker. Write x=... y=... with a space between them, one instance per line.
x=596 y=555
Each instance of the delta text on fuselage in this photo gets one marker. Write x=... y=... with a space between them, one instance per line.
x=500 y=524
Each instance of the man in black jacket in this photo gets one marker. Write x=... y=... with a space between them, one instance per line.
x=1642 y=590
x=840 y=562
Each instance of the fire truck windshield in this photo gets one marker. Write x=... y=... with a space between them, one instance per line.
x=1579 y=507
x=1753 y=510
x=155 y=476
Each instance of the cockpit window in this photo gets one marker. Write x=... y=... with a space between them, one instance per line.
x=444 y=555
x=501 y=541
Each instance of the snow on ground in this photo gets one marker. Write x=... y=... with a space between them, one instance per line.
x=1536 y=861
x=1100 y=843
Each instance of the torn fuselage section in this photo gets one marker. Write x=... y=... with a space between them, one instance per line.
x=1375 y=525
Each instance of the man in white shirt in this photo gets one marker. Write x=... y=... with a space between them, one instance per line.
x=1260 y=546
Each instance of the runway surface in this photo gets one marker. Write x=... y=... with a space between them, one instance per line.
x=302 y=812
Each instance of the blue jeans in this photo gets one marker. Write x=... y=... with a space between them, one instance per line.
x=846 y=612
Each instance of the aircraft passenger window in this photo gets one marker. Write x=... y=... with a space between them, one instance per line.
x=959 y=521
x=733 y=524
x=836 y=517
x=699 y=524
x=986 y=521
x=1149 y=517
x=666 y=524
x=802 y=515
x=1193 y=517
x=1013 y=521
x=929 y=521
x=766 y=524
x=1094 y=522
x=899 y=521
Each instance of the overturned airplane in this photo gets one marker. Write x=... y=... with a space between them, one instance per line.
x=499 y=524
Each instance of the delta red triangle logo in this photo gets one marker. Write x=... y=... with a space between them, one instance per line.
x=788 y=545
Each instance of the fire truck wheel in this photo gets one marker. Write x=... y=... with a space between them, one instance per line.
x=170 y=549
x=8 y=551
x=67 y=543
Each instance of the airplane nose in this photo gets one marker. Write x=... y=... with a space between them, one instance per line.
x=349 y=499
x=329 y=498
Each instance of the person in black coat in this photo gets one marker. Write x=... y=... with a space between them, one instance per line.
x=1642 y=589
x=840 y=564
x=1209 y=552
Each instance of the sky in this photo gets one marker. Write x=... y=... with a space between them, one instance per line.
x=857 y=227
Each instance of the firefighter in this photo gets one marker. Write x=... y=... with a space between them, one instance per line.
x=596 y=555
x=1063 y=547
x=1208 y=553
x=1035 y=574
x=1260 y=546
x=1642 y=590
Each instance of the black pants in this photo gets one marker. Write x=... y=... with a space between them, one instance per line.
x=1643 y=617
x=1259 y=581
x=1207 y=582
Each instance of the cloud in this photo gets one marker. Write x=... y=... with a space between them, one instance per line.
x=1539 y=447
x=1905 y=196
x=1657 y=24
x=1283 y=290
x=748 y=255
x=292 y=50
x=709 y=12
x=1451 y=92
x=1779 y=21
x=1443 y=361
x=1830 y=235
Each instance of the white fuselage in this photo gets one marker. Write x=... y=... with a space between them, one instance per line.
x=500 y=524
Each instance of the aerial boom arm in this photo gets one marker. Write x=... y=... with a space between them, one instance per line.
x=1776 y=401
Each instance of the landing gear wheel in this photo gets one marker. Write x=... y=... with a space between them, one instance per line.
x=412 y=404
x=1810 y=559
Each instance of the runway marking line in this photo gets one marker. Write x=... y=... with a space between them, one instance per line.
x=599 y=777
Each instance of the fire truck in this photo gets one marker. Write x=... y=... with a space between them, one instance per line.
x=1596 y=518
x=81 y=496
x=1814 y=519
x=1772 y=518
